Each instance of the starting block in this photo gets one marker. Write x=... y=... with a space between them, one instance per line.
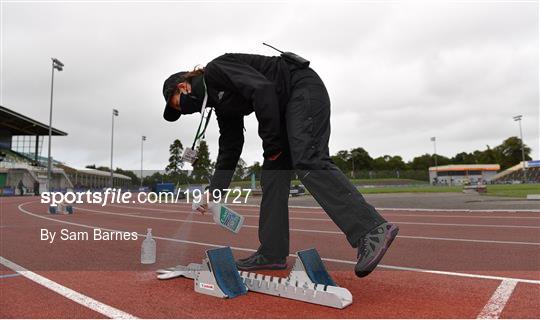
x=218 y=276
x=61 y=208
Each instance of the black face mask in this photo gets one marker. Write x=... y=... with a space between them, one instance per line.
x=192 y=102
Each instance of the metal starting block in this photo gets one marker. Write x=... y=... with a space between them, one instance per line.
x=308 y=281
x=216 y=276
x=61 y=208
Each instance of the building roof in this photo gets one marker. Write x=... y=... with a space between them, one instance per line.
x=466 y=167
x=20 y=125
x=92 y=172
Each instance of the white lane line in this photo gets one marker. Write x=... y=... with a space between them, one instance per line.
x=417 y=209
x=497 y=302
x=461 y=210
x=472 y=240
x=465 y=225
x=329 y=220
x=321 y=211
x=401 y=215
x=467 y=216
x=310 y=230
x=68 y=293
x=206 y=244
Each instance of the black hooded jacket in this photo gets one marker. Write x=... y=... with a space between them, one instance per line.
x=237 y=85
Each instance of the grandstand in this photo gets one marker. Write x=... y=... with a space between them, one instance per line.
x=24 y=171
x=515 y=174
x=462 y=174
x=94 y=179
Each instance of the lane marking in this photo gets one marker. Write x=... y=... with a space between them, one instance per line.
x=465 y=225
x=330 y=220
x=205 y=244
x=472 y=240
x=461 y=210
x=312 y=230
x=70 y=294
x=321 y=211
x=467 y=217
x=9 y=275
x=417 y=209
x=497 y=302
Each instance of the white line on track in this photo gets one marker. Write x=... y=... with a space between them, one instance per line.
x=465 y=225
x=419 y=209
x=309 y=230
x=461 y=210
x=329 y=220
x=68 y=293
x=205 y=244
x=497 y=302
x=319 y=210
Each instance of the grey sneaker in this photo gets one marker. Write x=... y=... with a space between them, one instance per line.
x=373 y=246
x=258 y=261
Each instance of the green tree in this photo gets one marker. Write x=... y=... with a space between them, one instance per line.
x=240 y=171
x=396 y=163
x=173 y=171
x=425 y=161
x=135 y=181
x=510 y=152
x=154 y=179
x=202 y=169
x=387 y=162
x=341 y=160
x=488 y=156
x=175 y=159
x=464 y=158
x=255 y=168
x=360 y=159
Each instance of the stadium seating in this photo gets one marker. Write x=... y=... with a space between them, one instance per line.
x=515 y=175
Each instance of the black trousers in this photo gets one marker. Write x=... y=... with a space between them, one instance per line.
x=306 y=132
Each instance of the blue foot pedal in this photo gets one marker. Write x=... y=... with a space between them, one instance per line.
x=224 y=269
x=310 y=262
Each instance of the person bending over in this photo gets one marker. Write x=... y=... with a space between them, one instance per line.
x=292 y=108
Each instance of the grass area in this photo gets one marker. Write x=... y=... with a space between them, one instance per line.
x=413 y=189
x=513 y=190
x=381 y=182
x=502 y=190
x=360 y=182
x=371 y=186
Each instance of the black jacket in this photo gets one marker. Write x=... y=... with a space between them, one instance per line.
x=237 y=85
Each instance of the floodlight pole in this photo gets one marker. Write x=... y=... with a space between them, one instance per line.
x=56 y=64
x=434 y=139
x=518 y=119
x=143 y=138
x=114 y=114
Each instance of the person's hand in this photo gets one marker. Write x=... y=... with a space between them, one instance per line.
x=201 y=207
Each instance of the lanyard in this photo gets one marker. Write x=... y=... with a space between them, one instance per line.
x=205 y=117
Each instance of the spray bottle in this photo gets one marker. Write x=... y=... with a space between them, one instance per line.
x=223 y=215
x=148 y=249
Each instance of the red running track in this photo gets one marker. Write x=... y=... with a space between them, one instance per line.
x=443 y=265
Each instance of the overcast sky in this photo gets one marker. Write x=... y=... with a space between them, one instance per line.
x=398 y=73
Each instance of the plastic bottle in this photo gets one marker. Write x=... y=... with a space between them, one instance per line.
x=223 y=215
x=226 y=217
x=148 y=249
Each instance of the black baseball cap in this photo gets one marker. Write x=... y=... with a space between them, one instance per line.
x=169 y=86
